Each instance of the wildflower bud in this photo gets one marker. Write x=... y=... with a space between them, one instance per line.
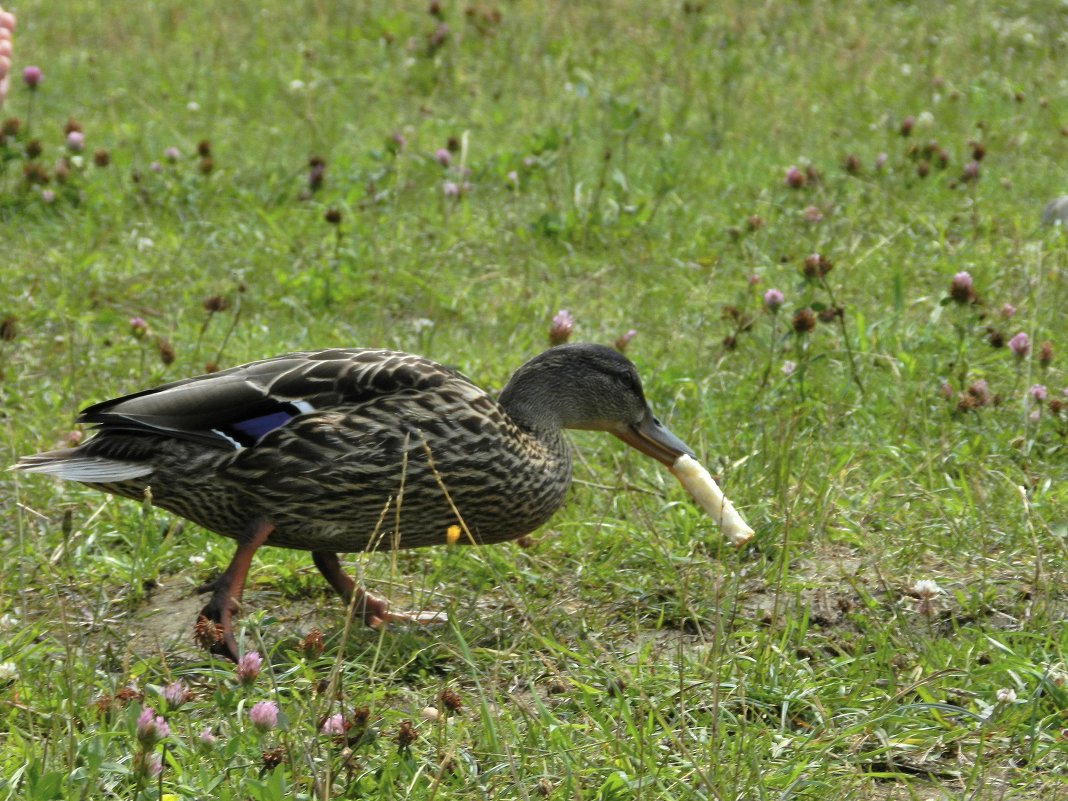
x=316 y=173
x=396 y=142
x=248 y=668
x=207 y=739
x=1008 y=310
x=101 y=158
x=48 y=196
x=71 y=125
x=812 y=214
x=450 y=189
x=773 y=300
x=755 y=222
x=561 y=327
x=804 y=321
x=995 y=338
x=75 y=141
x=10 y=126
x=794 y=178
x=151 y=728
x=333 y=725
x=880 y=161
x=332 y=216
x=907 y=124
x=923 y=169
x=264 y=715
x=788 y=368
x=979 y=393
x=971 y=171
x=946 y=391
x=204 y=148
x=1020 y=345
x=851 y=164
x=962 y=289
x=172 y=154
x=138 y=327
x=206 y=165
x=34 y=148
x=61 y=172
x=147 y=763
x=443 y=157
x=175 y=694
x=1045 y=354
x=32 y=77
x=978 y=150
x=1038 y=393
x=512 y=180
x=624 y=340
x=942 y=158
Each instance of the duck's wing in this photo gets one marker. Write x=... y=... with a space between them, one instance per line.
x=235 y=408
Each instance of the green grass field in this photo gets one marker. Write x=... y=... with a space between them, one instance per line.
x=646 y=166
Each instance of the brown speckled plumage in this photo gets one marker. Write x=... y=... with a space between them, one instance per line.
x=306 y=450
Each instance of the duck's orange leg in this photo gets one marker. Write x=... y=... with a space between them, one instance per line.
x=215 y=623
x=373 y=610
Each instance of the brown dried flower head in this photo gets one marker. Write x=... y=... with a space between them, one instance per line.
x=273 y=757
x=216 y=303
x=451 y=700
x=1045 y=354
x=816 y=266
x=406 y=735
x=312 y=645
x=207 y=633
x=166 y=351
x=804 y=321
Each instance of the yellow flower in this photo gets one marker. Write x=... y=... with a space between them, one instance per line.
x=452 y=534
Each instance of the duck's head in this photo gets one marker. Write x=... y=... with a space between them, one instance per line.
x=589 y=387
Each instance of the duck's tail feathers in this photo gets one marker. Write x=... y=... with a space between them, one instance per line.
x=74 y=466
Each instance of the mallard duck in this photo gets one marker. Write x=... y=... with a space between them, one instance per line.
x=309 y=450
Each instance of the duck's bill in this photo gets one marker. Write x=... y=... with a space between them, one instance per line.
x=653 y=439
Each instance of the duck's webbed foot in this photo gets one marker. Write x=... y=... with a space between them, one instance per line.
x=214 y=628
x=374 y=611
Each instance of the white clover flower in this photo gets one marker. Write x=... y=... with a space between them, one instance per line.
x=1006 y=695
x=926 y=589
x=8 y=672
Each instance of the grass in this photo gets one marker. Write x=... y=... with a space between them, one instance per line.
x=627 y=162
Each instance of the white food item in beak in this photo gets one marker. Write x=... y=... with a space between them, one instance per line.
x=711 y=498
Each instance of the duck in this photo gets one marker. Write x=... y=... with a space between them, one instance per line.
x=356 y=449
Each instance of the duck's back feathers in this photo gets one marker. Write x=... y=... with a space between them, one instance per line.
x=235 y=408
